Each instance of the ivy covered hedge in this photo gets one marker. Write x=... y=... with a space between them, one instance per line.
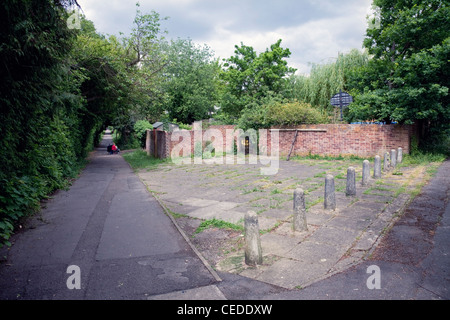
x=46 y=125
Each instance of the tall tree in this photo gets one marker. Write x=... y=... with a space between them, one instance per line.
x=190 y=81
x=249 y=77
x=407 y=79
x=325 y=80
x=145 y=63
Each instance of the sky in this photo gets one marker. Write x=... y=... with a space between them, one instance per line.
x=315 y=31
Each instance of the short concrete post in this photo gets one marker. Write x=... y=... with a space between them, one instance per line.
x=393 y=158
x=399 y=155
x=351 y=182
x=377 y=168
x=365 y=172
x=299 y=211
x=330 y=196
x=386 y=166
x=253 y=250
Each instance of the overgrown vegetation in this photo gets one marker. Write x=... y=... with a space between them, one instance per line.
x=48 y=126
x=140 y=160
x=406 y=80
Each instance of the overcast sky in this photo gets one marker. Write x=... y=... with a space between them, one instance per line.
x=314 y=30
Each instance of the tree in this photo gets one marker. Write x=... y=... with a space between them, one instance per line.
x=104 y=83
x=190 y=81
x=249 y=77
x=407 y=79
x=145 y=63
x=325 y=80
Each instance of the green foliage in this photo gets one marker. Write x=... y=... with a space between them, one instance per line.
x=40 y=108
x=140 y=131
x=249 y=77
x=279 y=112
x=190 y=81
x=407 y=79
x=220 y=224
x=140 y=160
x=144 y=61
x=293 y=113
x=19 y=197
x=58 y=88
x=181 y=125
x=325 y=80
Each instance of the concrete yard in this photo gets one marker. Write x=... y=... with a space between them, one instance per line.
x=335 y=239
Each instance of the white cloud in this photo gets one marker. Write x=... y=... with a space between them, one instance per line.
x=312 y=42
x=314 y=31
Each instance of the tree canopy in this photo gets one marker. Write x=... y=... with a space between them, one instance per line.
x=190 y=81
x=249 y=77
x=407 y=79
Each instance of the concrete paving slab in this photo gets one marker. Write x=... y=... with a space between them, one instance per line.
x=344 y=223
x=292 y=274
x=198 y=202
x=317 y=252
x=340 y=237
x=280 y=245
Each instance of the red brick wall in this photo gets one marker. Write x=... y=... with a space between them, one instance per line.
x=364 y=140
x=345 y=139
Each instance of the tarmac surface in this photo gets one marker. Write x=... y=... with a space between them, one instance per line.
x=128 y=247
x=109 y=226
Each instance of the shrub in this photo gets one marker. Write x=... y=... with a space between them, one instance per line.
x=294 y=113
x=280 y=113
x=140 y=131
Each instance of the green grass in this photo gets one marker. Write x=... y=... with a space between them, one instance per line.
x=310 y=204
x=320 y=175
x=220 y=224
x=317 y=157
x=140 y=160
x=422 y=158
x=276 y=191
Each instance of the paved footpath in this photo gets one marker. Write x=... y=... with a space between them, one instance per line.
x=110 y=227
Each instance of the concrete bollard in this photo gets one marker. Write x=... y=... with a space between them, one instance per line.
x=386 y=166
x=147 y=142
x=393 y=158
x=330 y=196
x=253 y=250
x=299 y=211
x=351 y=182
x=399 y=155
x=377 y=168
x=366 y=172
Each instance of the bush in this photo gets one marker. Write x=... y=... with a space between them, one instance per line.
x=280 y=113
x=294 y=113
x=140 y=131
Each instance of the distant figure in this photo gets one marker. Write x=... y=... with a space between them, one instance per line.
x=114 y=149
x=109 y=148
